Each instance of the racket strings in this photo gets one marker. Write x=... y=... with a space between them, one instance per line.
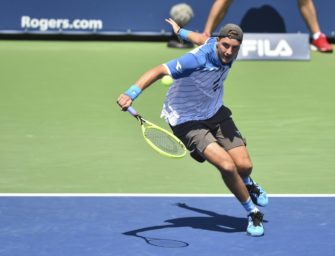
x=164 y=141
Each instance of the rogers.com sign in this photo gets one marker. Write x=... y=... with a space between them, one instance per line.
x=275 y=47
x=28 y=23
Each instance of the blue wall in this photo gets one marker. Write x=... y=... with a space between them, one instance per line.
x=147 y=16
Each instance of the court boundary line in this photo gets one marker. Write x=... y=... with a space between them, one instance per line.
x=146 y=195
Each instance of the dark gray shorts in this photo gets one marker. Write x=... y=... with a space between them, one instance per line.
x=197 y=135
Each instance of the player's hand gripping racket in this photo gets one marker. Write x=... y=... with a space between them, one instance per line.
x=161 y=140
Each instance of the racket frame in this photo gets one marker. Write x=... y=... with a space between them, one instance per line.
x=145 y=124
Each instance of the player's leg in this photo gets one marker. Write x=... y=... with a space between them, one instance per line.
x=308 y=12
x=216 y=14
x=231 y=139
x=203 y=145
x=243 y=163
x=217 y=156
x=241 y=158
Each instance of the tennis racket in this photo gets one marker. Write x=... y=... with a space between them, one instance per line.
x=161 y=140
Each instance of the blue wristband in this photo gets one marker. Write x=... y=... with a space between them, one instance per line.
x=133 y=91
x=183 y=33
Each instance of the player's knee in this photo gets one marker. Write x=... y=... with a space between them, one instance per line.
x=227 y=168
x=244 y=167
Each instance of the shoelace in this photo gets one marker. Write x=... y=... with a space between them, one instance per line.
x=253 y=189
x=257 y=218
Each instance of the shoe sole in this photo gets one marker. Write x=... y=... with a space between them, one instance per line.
x=255 y=202
x=261 y=205
x=315 y=49
x=255 y=235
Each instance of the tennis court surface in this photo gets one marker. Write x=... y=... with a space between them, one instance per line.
x=127 y=225
x=61 y=132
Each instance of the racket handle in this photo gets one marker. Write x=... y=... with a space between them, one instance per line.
x=132 y=111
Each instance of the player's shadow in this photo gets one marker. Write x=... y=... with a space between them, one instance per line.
x=212 y=222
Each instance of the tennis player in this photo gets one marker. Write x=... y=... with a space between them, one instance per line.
x=195 y=111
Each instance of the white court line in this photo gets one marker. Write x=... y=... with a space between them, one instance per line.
x=145 y=195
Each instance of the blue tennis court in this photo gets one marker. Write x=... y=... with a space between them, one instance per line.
x=162 y=225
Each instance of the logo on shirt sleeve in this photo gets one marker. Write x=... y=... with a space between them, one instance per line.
x=195 y=50
x=178 y=67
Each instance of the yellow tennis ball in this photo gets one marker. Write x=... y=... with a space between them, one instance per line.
x=167 y=80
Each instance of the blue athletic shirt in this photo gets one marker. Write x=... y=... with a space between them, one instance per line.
x=197 y=91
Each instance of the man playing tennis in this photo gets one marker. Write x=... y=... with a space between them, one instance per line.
x=194 y=109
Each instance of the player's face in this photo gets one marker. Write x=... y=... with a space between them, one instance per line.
x=227 y=49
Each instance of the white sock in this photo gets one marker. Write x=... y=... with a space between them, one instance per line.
x=316 y=35
x=249 y=206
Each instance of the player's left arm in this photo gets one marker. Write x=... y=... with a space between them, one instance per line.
x=187 y=35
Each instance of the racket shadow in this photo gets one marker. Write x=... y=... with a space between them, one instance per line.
x=212 y=222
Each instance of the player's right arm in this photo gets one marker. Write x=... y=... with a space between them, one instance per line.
x=187 y=35
x=148 y=78
x=177 y=68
